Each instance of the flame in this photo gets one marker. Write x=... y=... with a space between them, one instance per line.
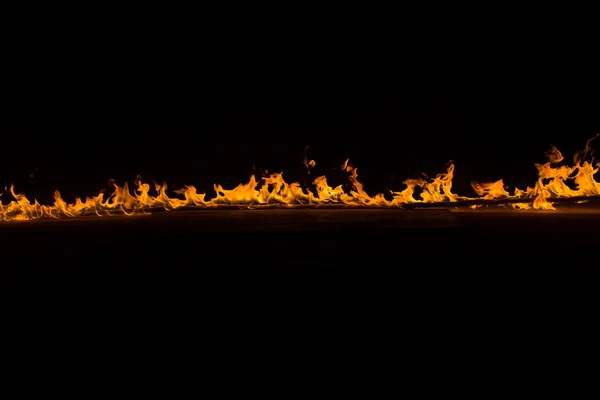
x=552 y=182
x=555 y=180
x=308 y=164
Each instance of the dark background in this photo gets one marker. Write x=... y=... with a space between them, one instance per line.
x=199 y=104
x=221 y=127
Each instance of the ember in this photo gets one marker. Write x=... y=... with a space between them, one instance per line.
x=273 y=190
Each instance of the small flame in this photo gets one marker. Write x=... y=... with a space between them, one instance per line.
x=308 y=164
x=555 y=180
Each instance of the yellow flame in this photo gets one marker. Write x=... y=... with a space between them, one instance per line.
x=554 y=181
x=308 y=164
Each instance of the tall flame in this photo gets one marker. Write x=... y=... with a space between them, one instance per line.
x=553 y=182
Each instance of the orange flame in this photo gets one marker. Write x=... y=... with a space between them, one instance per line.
x=554 y=181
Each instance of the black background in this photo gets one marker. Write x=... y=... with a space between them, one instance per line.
x=189 y=103
x=77 y=131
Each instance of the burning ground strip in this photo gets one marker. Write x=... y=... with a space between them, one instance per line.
x=557 y=182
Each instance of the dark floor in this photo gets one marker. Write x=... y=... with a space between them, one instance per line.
x=186 y=250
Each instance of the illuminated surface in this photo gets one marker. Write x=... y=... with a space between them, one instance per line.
x=381 y=247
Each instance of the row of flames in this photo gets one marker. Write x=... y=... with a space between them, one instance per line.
x=273 y=190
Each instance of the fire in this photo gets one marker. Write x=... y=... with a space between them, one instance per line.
x=555 y=180
x=552 y=181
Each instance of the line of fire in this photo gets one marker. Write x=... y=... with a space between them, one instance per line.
x=559 y=181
